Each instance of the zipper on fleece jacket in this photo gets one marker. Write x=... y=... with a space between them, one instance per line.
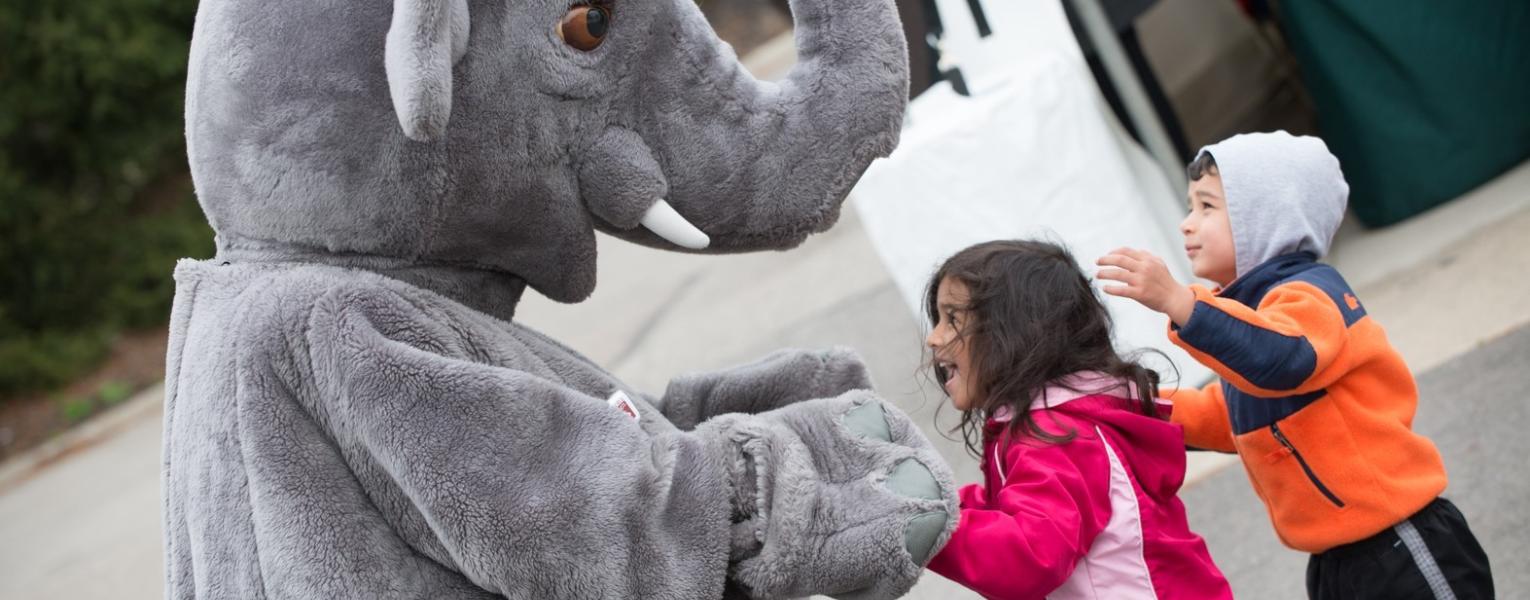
x=1311 y=476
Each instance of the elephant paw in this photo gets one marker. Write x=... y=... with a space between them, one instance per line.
x=842 y=370
x=840 y=496
x=909 y=478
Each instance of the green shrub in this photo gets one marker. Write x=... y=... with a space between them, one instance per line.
x=75 y=409
x=48 y=358
x=94 y=204
x=114 y=392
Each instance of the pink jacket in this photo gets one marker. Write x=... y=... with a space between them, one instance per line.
x=1095 y=517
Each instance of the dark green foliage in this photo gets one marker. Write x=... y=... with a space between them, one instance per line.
x=94 y=199
x=75 y=409
x=114 y=392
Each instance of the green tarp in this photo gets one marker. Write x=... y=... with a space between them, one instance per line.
x=1421 y=100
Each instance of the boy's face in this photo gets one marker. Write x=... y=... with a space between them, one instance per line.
x=1208 y=233
x=945 y=340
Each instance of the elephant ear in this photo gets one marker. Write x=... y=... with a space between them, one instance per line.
x=425 y=39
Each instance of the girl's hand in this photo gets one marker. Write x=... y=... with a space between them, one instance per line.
x=1148 y=281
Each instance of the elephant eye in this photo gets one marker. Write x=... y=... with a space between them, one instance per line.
x=584 y=27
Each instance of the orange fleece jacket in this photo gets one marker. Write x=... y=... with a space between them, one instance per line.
x=1313 y=398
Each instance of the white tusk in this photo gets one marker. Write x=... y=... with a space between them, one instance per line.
x=662 y=219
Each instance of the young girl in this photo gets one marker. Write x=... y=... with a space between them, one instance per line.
x=1080 y=463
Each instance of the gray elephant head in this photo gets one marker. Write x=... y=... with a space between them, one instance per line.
x=498 y=136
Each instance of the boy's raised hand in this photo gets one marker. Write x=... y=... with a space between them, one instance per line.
x=1148 y=281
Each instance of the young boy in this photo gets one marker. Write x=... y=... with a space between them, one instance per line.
x=1312 y=397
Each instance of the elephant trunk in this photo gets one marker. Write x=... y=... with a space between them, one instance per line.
x=761 y=165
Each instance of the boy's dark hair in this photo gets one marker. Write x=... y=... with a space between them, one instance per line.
x=1203 y=164
x=1032 y=318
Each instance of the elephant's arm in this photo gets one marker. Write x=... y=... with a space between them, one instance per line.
x=533 y=489
x=780 y=379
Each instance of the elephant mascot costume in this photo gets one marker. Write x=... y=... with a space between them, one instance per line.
x=352 y=410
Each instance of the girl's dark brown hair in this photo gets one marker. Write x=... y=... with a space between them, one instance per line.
x=1031 y=318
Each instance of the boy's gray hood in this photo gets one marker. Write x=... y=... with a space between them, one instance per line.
x=1285 y=194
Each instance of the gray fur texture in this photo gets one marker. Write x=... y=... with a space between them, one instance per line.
x=294 y=133
x=351 y=410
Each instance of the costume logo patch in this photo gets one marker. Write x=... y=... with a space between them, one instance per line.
x=621 y=402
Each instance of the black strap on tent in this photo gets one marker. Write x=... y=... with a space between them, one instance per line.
x=976 y=6
x=935 y=29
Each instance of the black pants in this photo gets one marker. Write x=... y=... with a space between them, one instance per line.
x=1394 y=564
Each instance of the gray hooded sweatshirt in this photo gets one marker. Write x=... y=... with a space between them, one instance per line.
x=351 y=409
x=1285 y=194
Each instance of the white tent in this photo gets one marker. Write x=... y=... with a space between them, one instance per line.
x=1033 y=152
